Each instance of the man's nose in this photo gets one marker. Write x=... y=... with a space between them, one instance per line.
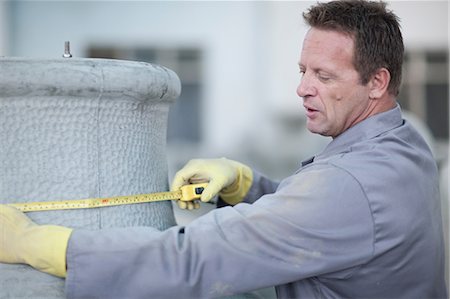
x=306 y=86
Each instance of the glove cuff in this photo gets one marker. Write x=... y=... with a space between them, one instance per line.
x=48 y=254
x=237 y=191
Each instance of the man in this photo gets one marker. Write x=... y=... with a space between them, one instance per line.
x=359 y=220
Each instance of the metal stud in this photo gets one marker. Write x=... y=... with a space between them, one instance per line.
x=67 y=50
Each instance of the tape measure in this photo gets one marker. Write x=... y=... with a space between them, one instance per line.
x=186 y=193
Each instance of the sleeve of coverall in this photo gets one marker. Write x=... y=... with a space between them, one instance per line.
x=261 y=185
x=318 y=221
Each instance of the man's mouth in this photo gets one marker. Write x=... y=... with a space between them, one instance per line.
x=310 y=111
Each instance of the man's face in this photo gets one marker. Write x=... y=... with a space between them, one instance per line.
x=330 y=86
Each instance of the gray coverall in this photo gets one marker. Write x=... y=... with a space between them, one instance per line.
x=361 y=220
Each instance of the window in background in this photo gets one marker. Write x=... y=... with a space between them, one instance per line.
x=425 y=92
x=184 y=123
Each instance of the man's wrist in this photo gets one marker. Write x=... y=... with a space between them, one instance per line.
x=237 y=191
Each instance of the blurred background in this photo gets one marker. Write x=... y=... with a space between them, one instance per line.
x=237 y=62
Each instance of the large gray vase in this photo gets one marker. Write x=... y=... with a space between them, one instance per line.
x=82 y=128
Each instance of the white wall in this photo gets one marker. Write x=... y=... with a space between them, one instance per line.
x=424 y=23
x=4 y=29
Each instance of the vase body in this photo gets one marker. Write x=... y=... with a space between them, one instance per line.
x=82 y=128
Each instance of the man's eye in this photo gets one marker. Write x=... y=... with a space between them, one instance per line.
x=323 y=78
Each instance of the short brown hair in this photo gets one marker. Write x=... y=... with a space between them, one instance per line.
x=375 y=31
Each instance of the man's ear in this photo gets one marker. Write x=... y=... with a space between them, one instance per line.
x=379 y=83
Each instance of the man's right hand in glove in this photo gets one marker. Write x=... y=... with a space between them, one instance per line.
x=40 y=246
x=229 y=179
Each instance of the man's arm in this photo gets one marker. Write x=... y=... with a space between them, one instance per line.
x=317 y=222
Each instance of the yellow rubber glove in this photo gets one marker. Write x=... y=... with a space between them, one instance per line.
x=41 y=246
x=228 y=178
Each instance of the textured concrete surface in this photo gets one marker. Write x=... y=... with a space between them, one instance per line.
x=82 y=128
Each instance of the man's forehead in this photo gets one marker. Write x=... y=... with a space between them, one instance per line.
x=328 y=51
x=318 y=35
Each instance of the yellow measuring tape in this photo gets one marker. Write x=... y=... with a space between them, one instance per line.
x=186 y=193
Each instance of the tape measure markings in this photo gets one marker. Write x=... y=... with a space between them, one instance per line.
x=186 y=193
